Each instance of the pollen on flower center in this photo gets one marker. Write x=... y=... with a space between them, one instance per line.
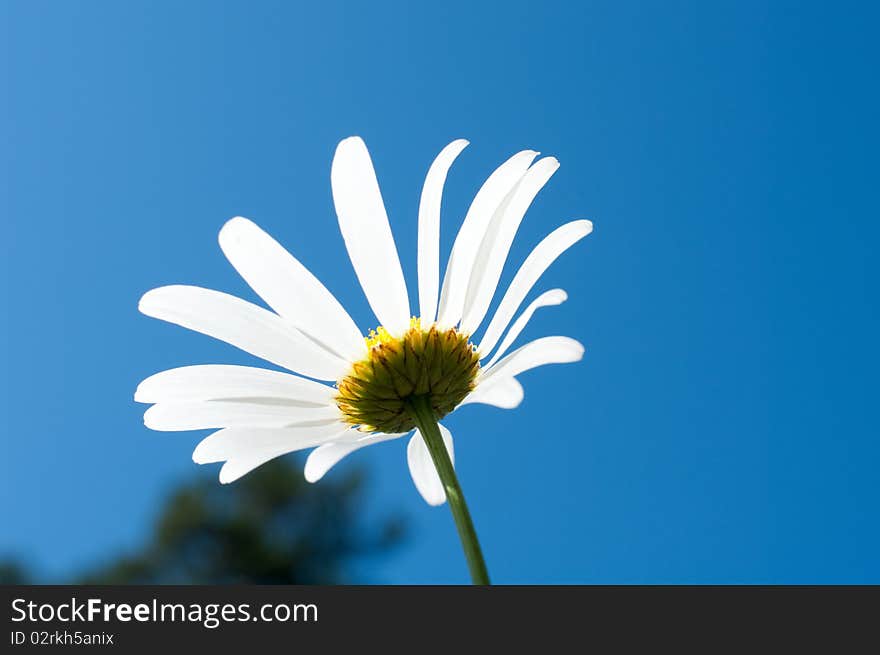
x=439 y=364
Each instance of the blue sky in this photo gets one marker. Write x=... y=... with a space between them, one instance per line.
x=722 y=426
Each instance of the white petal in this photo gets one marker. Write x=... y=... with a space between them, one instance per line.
x=233 y=443
x=497 y=242
x=325 y=457
x=546 y=299
x=544 y=254
x=237 y=467
x=429 y=229
x=547 y=350
x=367 y=234
x=244 y=325
x=503 y=392
x=458 y=271
x=289 y=288
x=422 y=470
x=255 y=412
x=218 y=381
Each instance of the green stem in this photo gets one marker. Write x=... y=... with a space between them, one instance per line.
x=421 y=412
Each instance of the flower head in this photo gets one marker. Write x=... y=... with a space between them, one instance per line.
x=441 y=365
x=347 y=390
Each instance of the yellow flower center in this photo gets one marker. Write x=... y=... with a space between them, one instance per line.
x=438 y=364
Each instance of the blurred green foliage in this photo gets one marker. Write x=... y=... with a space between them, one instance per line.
x=12 y=572
x=270 y=527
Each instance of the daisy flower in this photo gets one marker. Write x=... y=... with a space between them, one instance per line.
x=347 y=389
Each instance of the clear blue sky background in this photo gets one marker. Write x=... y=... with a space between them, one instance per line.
x=723 y=424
